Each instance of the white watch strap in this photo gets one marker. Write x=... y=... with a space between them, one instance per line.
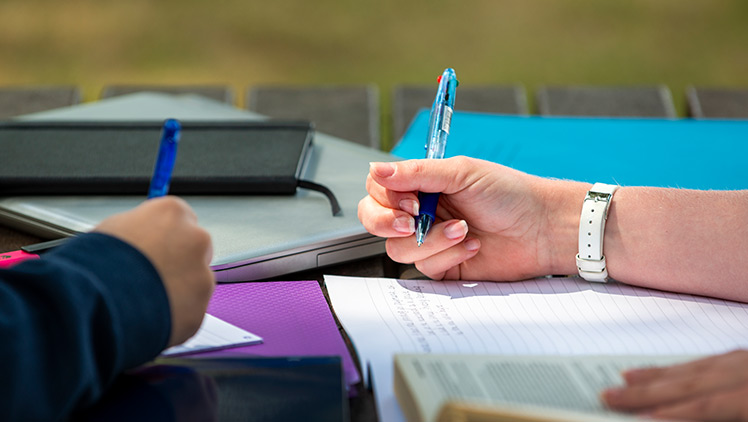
x=590 y=259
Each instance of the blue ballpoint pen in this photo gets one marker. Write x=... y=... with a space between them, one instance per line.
x=167 y=155
x=441 y=118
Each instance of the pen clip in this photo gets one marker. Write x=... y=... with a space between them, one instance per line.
x=442 y=108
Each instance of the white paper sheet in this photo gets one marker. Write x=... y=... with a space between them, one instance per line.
x=545 y=316
x=214 y=334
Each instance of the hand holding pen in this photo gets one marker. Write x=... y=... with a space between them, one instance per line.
x=159 y=186
x=436 y=143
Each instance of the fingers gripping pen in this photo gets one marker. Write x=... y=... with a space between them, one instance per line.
x=441 y=118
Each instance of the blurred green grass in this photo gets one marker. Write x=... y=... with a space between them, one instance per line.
x=386 y=42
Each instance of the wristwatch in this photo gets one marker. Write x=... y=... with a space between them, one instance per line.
x=590 y=259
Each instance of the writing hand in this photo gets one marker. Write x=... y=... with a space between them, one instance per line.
x=493 y=222
x=165 y=230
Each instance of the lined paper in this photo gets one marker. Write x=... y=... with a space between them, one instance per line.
x=545 y=316
x=214 y=334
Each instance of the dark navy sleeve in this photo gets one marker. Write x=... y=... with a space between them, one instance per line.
x=73 y=320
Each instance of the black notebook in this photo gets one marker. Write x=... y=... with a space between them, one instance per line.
x=213 y=158
x=227 y=390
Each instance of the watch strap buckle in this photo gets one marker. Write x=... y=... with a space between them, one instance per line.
x=593 y=269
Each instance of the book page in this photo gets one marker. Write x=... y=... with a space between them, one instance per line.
x=544 y=316
x=556 y=382
x=214 y=334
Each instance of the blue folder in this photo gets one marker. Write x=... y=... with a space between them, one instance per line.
x=685 y=153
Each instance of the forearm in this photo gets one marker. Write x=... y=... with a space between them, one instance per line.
x=669 y=239
x=680 y=240
x=72 y=321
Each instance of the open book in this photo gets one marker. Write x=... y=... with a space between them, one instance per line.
x=552 y=317
x=444 y=388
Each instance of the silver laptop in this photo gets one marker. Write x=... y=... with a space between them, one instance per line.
x=254 y=237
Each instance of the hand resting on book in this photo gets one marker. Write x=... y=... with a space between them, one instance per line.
x=710 y=389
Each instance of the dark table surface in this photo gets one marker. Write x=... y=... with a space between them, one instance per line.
x=353 y=112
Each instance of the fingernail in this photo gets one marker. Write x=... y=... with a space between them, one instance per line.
x=405 y=225
x=472 y=245
x=410 y=206
x=456 y=230
x=612 y=394
x=383 y=169
x=633 y=374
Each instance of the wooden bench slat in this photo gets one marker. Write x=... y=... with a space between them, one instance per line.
x=15 y=101
x=635 y=101
x=348 y=112
x=717 y=103
x=408 y=99
x=215 y=92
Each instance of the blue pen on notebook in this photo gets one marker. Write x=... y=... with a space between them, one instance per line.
x=436 y=143
x=167 y=155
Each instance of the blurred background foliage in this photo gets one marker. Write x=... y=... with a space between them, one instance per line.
x=93 y=43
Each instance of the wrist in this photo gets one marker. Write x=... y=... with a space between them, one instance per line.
x=564 y=204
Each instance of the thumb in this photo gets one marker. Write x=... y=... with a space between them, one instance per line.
x=427 y=175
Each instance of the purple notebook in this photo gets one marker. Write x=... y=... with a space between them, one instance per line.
x=292 y=317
